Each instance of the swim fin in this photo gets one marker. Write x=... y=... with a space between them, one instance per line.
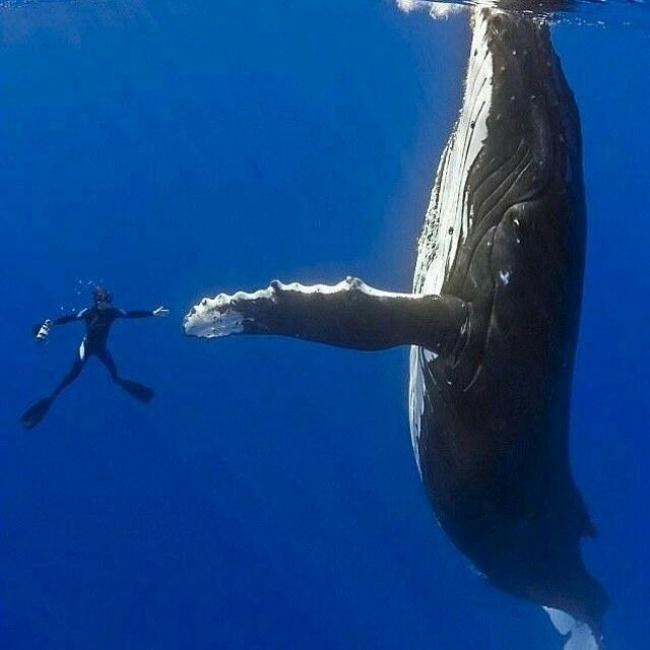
x=33 y=415
x=139 y=391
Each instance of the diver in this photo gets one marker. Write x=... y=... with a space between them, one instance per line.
x=98 y=319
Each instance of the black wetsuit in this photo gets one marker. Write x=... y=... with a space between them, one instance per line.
x=98 y=324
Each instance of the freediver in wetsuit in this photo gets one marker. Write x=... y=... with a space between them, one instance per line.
x=98 y=320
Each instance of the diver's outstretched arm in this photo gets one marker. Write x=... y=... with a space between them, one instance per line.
x=349 y=314
x=42 y=330
x=143 y=313
x=68 y=318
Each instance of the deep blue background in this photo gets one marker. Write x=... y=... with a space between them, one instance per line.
x=268 y=498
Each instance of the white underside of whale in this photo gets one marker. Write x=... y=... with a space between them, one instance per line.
x=449 y=216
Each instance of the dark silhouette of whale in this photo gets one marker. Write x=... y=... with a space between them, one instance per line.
x=492 y=321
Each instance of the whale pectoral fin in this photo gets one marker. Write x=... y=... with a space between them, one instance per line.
x=349 y=314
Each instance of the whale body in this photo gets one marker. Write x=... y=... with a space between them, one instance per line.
x=505 y=232
x=492 y=322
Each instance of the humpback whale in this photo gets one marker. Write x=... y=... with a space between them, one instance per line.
x=492 y=322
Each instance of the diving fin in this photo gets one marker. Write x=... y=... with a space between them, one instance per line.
x=33 y=415
x=139 y=391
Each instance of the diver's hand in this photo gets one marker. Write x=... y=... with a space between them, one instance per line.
x=41 y=331
x=161 y=311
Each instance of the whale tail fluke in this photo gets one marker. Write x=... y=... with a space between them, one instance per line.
x=578 y=635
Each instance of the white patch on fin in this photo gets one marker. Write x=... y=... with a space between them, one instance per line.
x=580 y=634
x=213 y=318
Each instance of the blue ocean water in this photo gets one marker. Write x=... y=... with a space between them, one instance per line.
x=268 y=497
